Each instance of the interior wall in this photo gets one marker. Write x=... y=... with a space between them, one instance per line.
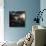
x=43 y=6
x=30 y=6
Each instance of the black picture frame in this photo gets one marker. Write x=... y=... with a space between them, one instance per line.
x=17 y=18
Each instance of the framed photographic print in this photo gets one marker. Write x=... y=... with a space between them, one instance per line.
x=17 y=18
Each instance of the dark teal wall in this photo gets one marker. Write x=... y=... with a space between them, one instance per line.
x=30 y=6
